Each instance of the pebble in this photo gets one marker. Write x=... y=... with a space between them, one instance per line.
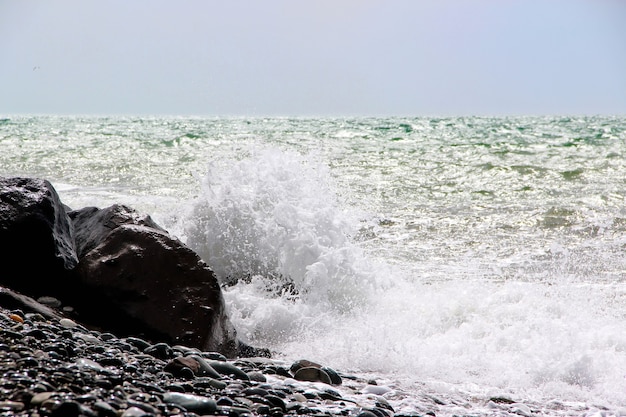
x=376 y=389
x=191 y=402
x=134 y=412
x=312 y=374
x=521 y=409
x=68 y=323
x=205 y=369
x=39 y=398
x=11 y=406
x=49 y=301
x=257 y=377
x=16 y=317
x=228 y=369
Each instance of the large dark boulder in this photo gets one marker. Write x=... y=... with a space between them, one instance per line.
x=119 y=270
x=92 y=225
x=134 y=278
x=36 y=242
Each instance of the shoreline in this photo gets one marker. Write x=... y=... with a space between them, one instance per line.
x=57 y=367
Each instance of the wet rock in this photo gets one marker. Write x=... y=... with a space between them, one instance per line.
x=176 y=365
x=335 y=379
x=67 y=323
x=138 y=343
x=49 y=301
x=14 y=300
x=228 y=369
x=195 y=403
x=134 y=412
x=303 y=363
x=326 y=374
x=205 y=368
x=36 y=241
x=104 y=409
x=160 y=351
x=66 y=409
x=257 y=377
x=367 y=413
x=312 y=374
x=376 y=389
x=147 y=282
x=11 y=406
x=206 y=382
x=276 y=401
x=236 y=411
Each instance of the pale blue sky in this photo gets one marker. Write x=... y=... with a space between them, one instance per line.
x=352 y=57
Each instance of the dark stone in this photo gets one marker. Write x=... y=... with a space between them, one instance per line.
x=104 y=409
x=334 y=376
x=66 y=409
x=208 y=382
x=204 y=368
x=263 y=410
x=257 y=376
x=367 y=413
x=178 y=364
x=276 y=402
x=36 y=242
x=228 y=369
x=138 y=343
x=247 y=351
x=160 y=351
x=312 y=374
x=303 y=363
x=224 y=401
x=110 y=269
x=92 y=225
x=135 y=279
x=260 y=392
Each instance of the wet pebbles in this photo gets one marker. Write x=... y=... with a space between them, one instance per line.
x=60 y=368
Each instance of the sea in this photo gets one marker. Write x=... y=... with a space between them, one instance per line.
x=467 y=259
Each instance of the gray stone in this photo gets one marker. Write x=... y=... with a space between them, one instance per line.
x=303 y=363
x=229 y=369
x=191 y=402
x=312 y=374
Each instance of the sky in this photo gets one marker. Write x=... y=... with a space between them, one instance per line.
x=313 y=58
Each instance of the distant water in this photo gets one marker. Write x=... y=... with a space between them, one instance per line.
x=484 y=256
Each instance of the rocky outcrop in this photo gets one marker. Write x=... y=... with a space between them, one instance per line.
x=120 y=271
x=36 y=243
x=92 y=225
x=149 y=282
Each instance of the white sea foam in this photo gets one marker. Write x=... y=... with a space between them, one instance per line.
x=272 y=230
x=273 y=218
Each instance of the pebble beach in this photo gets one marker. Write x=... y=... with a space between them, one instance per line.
x=63 y=369
x=56 y=367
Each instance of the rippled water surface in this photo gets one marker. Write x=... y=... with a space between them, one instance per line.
x=485 y=254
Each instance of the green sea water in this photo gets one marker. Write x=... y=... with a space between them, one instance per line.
x=471 y=253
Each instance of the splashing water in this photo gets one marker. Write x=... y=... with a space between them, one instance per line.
x=270 y=227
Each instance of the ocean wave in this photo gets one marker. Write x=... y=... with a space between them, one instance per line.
x=270 y=227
